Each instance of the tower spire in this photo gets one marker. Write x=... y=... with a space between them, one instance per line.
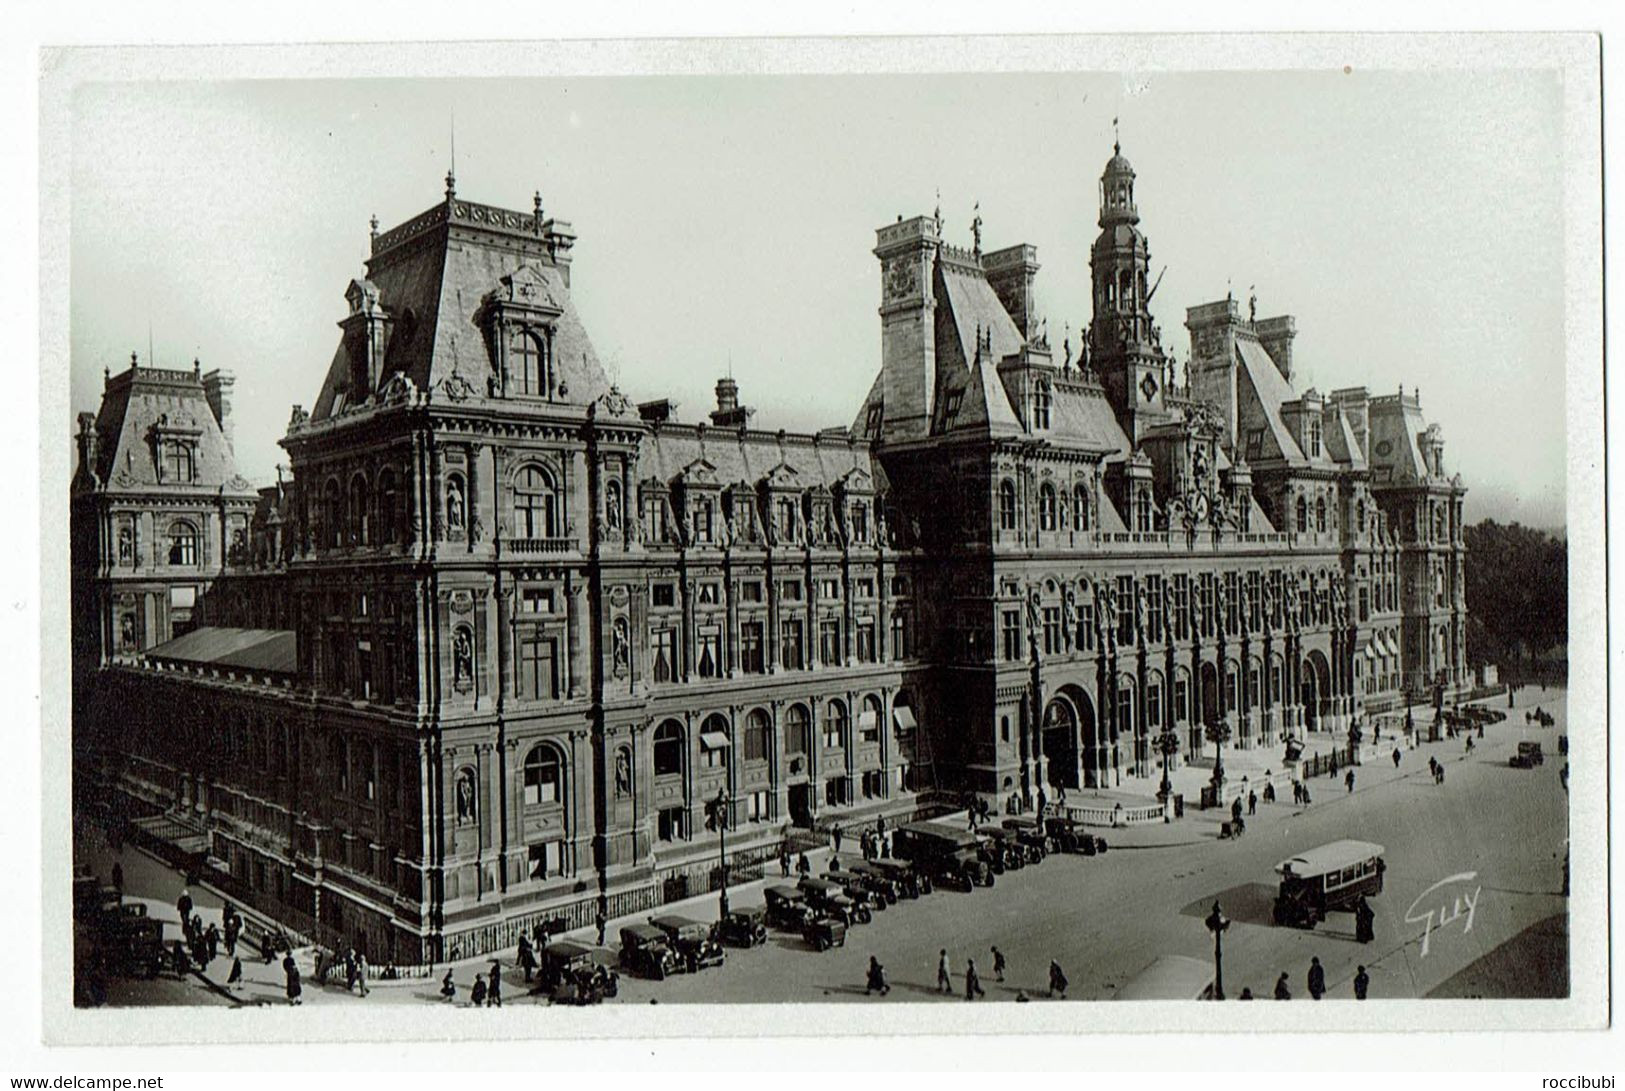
x=451 y=170
x=1117 y=144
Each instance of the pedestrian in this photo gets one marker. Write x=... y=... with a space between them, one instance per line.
x=1282 y=992
x=183 y=905
x=118 y=876
x=1043 y=802
x=600 y=922
x=877 y=978
x=803 y=866
x=1246 y=994
x=476 y=996
x=1438 y=774
x=998 y=964
x=448 y=987
x=973 y=984
x=1252 y=804
x=1396 y=757
x=1469 y=744
x=784 y=862
x=1317 y=979
x=267 y=947
x=1362 y=982
x=945 y=981
x=293 y=988
x=1269 y=792
x=361 y=973
x=527 y=958
x=211 y=936
x=1057 y=980
x=1235 y=809
x=178 y=959
x=349 y=970
x=235 y=977
x=234 y=928
x=1349 y=780
x=493 y=990
x=1364 y=919
x=835 y=836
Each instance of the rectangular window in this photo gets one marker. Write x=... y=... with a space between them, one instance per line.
x=829 y=589
x=1253 y=607
x=1153 y=705
x=1086 y=623
x=663 y=594
x=708 y=658
x=1182 y=606
x=759 y=807
x=704 y=510
x=663 y=646
x=654 y=514
x=363 y=668
x=863 y=588
x=538 y=669
x=1232 y=617
x=902 y=637
x=1125 y=610
x=1181 y=700
x=1153 y=609
x=536 y=600
x=1255 y=444
x=1010 y=628
x=546 y=860
x=750 y=591
x=1207 y=585
x=710 y=593
x=790 y=590
x=1052 y=630
x=790 y=649
x=829 y=642
x=750 y=648
x=1365 y=603
x=858 y=519
x=672 y=824
x=865 y=634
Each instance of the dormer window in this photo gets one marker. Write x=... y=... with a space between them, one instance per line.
x=530 y=363
x=1314 y=437
x=1041 y=406
x=704 y=513
x=179 y=463
x=858 y=518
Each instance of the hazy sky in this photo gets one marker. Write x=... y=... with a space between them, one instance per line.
x=1411 y=222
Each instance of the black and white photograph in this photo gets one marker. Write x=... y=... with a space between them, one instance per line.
x=642 y=540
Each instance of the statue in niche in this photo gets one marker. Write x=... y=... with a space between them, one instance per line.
x=126 y=545
x=465 y=796
x=1069 y=614
x=454 y=504
x=622 y=641
x=127 y=631
x=462 y=653
x=623 y=772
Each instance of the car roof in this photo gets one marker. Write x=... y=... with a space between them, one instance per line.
x=672 y=920
x=784 y=891
x=643 y=931
x=572 y=949
x=1169 y=977
x=1330 y=857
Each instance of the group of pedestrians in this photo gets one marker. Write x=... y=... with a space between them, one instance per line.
x=486 y=991
x=1316 y=983
x=876 y=981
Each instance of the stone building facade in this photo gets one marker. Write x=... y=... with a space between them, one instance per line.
x=491 y=651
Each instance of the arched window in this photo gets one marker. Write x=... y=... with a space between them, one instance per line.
x=360 y=515
x=869 y=722
x=544 y=776
x=183 y=544
x=387 y=527
x=1303 y=516
x=714 y=741
x=1007 y=505
x=333 y=512
x=835 y=725
x=179 y=464
x=1080 y=508
x=1046 y=507
x=756 y=733
x=1320 y=514
x=535 y=504
x=1314 y=438
x=613 y=507
x=669 y=749
x=796 y=731
x=528 y=364
x=1041 y=405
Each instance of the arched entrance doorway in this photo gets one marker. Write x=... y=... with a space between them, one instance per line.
x=1207 y=704
x=1061 y=742
x=1316 y=690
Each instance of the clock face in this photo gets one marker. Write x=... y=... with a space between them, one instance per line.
x=900 y=281
x=1385 y=448
x=1148 y=387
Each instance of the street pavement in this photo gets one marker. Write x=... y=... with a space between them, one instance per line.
x=1105 y=918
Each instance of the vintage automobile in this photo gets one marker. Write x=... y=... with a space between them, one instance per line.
x=132 y=943
x=576 y=973
x=830 y=899
x=1012 y=854
x=1031 y=834
x=743 y=926
x=886 y=890
x=1065 y=834
x=1528 y=756
x=950 y=855
x=1170 y=977
x=691 y=940
x=858 y=888
x=645 y=952
x=787 y=909
x=911 y=881
x=1331 y=878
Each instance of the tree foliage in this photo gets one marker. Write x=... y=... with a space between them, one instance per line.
x=1517 y=592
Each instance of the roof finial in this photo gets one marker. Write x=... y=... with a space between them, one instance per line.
x=374 y=224
x=197 y=368
x=107 y=375
x=451 y=171
x=538 y=201
x=976 y=230
x=133 y=364
x=937 y=215
x=1252 y=303
x=1117 y=145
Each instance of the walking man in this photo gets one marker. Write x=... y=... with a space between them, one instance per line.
x=493 y=991
x=527 y=958
x=1362 y=982
x=183 y=905
x=1282 y=992
x=803 y=866
x=945 y=982
x=1057 y=980
x=973 y=984
x=1364 y=919
x=476 y=996
x=1252 y=804
x=293 y=987
x=1317 y=979
x=877 y=978
x=998 y=964
x=235 y=978
x=448 y=987
x=600 y=922
x=784 y=862
x=1396 y=757
x=1235 y=809
x=835 y=835
x=1349 y=780
x=361 y=973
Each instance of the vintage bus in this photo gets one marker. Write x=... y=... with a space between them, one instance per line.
x=1330 y=878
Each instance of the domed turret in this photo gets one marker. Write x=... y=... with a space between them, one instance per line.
x=1117 y=191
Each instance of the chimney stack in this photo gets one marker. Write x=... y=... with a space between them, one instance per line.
x=729 y=413
x=217 y=386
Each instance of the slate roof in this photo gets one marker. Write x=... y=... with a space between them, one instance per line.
x=145 y=399
x=269 y=650
x=750 y=456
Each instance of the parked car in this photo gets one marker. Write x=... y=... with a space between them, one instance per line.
x=831 y=900
x=645 y=952
x=1064 y=834
x=1528 y=756
x=885 y=888
x=950 y=855
x=857 y=887
x=577 y=973
x=912 y=882
x=1031 y=834
x=133 y=944
x=822 y=933
x=743 y=927
x=1002 y=843
x=787 y=909
x=691 y=940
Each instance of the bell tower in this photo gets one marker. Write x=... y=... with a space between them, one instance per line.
x=1124 y=346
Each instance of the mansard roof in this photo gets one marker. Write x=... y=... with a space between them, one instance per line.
x=735 y=455
x=146 y=403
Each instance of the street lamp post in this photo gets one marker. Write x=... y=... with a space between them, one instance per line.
x=718 y=819
x=1216 y=923
x=1168 y=746
x=1218 y=733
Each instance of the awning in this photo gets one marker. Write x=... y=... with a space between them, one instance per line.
x=904 y=718
x=866 y=719
x=713 y=740
x=1371 y=651
x=1389 y=646
x=270 y=650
